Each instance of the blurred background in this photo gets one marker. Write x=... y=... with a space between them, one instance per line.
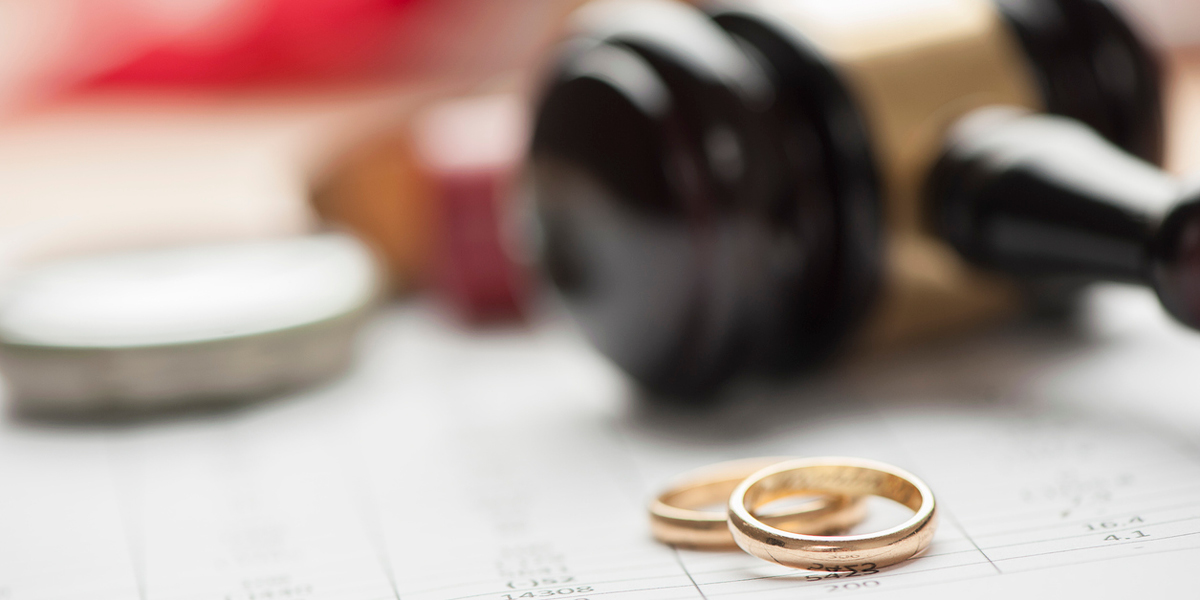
x=130 y=126
x=138 y=123
x=133 y=124
x=220 y=200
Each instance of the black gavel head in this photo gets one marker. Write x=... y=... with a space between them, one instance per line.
x=711 y=190
x=699 y=218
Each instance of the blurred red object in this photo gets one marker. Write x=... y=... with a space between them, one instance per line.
x=470 y=150
x=272 y=40
x=48 y=47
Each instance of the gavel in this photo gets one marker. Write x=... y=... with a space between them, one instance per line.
x=1045 y=196
x=759 y=187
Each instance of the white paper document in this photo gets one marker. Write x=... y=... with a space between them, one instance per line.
x=516 y=465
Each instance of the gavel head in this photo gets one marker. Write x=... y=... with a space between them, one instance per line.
x=717 y=192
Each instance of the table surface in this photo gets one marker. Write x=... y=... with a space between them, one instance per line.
x=514 y=464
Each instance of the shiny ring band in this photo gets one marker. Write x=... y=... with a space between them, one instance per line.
x=677 y=516
x=847 y=476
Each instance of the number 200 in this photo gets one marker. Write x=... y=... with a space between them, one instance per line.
x=853 y=585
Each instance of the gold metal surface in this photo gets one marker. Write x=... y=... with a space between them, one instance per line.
x=848 y=476
x=677 y=515
x=913 y=68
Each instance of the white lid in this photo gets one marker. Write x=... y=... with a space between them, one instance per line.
x=185 y=295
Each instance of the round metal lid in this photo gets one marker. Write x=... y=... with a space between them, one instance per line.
x=158 y=327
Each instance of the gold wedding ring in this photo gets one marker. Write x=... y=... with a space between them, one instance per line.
x=677 y=516
x=845 y=476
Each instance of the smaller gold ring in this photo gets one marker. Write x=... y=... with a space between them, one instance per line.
x=677 y=516
x=846 y=476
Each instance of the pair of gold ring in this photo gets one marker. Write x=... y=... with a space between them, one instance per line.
x=805 y=536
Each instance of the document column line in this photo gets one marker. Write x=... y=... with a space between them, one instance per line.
x=121 y=474
x=961 y=529
x=369 y=513
x=679 y=559
x=898 y=440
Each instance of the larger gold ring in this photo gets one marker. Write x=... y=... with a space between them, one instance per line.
x=677 y=515
x=846 y=476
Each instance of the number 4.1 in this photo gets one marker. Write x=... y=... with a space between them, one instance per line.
x=1133 y=535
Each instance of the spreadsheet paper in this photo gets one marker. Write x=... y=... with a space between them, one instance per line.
x=517 y=465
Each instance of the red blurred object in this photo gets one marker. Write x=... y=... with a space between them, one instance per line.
x=274 y=40
x=470 y=149
x=475 y=271
x=52 y=47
